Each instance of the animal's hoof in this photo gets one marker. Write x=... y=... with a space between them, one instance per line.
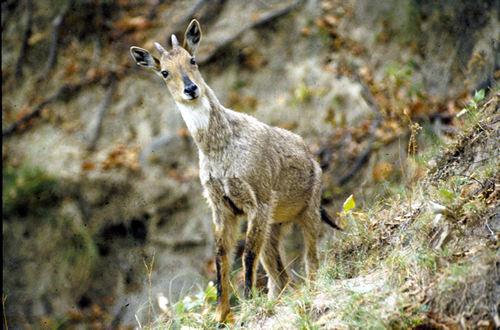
x=221 y=313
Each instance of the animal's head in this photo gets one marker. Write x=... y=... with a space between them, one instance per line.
x=177 y=66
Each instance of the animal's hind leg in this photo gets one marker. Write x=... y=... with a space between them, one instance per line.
x=310 y=228
x=310 y=222
x=258 y=223
x=272 y=261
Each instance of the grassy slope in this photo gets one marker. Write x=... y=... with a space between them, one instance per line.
x=426 y=256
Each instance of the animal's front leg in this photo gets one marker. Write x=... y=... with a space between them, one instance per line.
x=258 y=223
x=225 y=235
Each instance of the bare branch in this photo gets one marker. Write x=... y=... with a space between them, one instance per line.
x=65 y=92
x=365 y=155
x=95 y=130
x=57 y=23
x=23 y=53
x=264 y=19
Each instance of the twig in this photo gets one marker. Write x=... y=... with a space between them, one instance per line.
x=4 y=299
x=25 y=43
x=33 y=114
x=485 y=159
x=364 y=156
x=149 y=270
x=472 y=178
x=57 y=23
x=115 y=324
x=179 y=244
x=65 y=92
x=264 y=19
x=95 y=131
x=362 y=159
x=96 y=55
x=442 y=237
x=489 y=229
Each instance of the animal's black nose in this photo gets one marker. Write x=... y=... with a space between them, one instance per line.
x=190 y=89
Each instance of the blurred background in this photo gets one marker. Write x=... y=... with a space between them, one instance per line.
x=102 y=205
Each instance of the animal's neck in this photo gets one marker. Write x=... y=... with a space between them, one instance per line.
x=196 y=115
x=206 y=122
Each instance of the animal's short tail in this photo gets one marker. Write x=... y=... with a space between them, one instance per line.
x=326 y=219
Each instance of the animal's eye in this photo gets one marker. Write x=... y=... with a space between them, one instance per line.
x=192 y=61
x=164 y=74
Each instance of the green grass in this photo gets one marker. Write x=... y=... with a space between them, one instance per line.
x=259 y=306
x=360 y=312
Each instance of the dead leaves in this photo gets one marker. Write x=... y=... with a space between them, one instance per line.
x=88 y=165
x=382 y=171
x=95 y=316
x=121 y=156
x=36 y=38
x=334 y=12
x=95 y=73
x=252 y=58
x=128 y=24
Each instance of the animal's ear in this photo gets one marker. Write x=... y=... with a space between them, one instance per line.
x=192 y=37
x=143 y=58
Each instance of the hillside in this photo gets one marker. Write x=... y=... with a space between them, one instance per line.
x=424 y=258
x=103 y=214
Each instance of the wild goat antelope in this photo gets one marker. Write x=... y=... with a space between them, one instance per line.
x=247 y=168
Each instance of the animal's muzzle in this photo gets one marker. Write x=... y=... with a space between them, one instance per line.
x=191 y=90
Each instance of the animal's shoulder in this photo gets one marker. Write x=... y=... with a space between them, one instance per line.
x=244 y=122
x=240 y=120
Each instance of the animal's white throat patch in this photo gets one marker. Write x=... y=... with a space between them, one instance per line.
x=195 y=115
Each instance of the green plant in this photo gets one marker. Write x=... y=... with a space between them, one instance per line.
x=26 y=191
x=302 y=94
x=260 y=306
x=456 y=274
x=196 y=310
x=301 y=304
x=471 y=109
